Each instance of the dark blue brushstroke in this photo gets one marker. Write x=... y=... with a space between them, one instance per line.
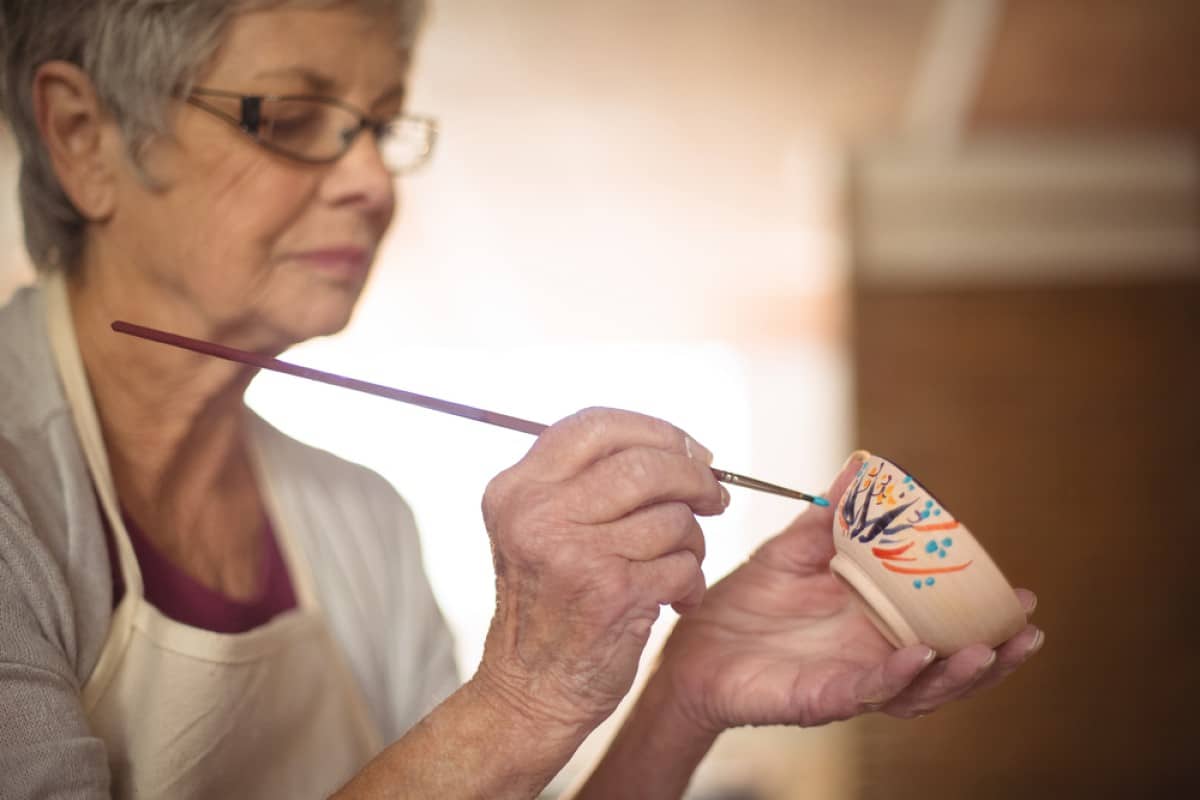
x=880 y=524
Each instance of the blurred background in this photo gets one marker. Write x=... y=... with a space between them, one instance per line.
x=961 y=233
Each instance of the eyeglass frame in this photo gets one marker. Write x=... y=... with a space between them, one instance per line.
x=250 y=117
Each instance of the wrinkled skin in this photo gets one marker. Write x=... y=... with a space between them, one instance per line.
x=591 y=533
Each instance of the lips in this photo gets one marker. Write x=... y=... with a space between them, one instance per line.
x=347 y=261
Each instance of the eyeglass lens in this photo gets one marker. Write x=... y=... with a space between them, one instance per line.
x=317 y=130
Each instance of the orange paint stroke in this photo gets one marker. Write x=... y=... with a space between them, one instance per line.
x=936 y=526
x=925 y=570
x=891 y=552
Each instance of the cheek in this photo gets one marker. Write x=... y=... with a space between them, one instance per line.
x=240 y=216
x=254 y=206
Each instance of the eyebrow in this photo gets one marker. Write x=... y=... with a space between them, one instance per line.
x=315 y=80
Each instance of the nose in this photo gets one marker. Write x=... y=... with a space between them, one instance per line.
x=361 y=179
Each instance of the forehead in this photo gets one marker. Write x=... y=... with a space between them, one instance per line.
x=336 y=50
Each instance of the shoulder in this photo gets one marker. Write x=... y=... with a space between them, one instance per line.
x=57 y=584
x=29 y=391
x=21 y=312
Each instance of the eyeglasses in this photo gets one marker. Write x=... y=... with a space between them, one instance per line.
x=320 y=130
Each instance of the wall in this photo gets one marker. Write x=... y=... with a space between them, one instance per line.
x=1026 y=327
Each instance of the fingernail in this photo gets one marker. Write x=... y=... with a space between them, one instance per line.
x=724 y=496
x=986 y=665
x=1032 y=603
x=929 y=657
x=1038 y=640
x=857 y=457
x=695 y=450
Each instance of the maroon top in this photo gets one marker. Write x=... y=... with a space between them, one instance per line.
x=184 y=599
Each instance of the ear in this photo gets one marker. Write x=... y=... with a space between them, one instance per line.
x=81 y=139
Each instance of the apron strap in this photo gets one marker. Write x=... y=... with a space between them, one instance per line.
x=78 y=393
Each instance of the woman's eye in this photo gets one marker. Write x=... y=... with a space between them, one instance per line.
x=386 y=130
x=291 y=123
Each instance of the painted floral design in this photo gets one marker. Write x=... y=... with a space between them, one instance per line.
x=908 y=531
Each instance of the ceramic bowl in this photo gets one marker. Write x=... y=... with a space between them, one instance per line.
x=922 y=576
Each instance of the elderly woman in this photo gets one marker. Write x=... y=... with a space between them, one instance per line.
x=193 y=605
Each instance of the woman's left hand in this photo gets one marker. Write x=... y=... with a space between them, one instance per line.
x=782 y=641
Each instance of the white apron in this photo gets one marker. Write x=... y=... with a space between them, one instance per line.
x=189 y=713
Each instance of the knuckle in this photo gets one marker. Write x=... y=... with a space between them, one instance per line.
x=697 y=544
x=664 y=434
x=601 y=419
x=678 y=516
x=679 y=521
x=686 y=568
x=669 y=434
x=588 y=428
x=496 y=494
x=594 y=421
x=636 y=466
x=609 y=593
x=517 y=517
x=597 y=415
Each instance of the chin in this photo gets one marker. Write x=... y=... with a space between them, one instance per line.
x=326 y=320
x=325 y=315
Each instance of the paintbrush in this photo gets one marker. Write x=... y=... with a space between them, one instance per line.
x=432 y=403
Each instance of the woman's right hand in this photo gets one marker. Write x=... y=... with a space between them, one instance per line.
x=592 y=531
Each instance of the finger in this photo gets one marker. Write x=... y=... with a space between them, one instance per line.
x=805 y=545
x=943 y=682
x=654 y=531
x=844 y=478
x=854 y=692
x=641 y=476
x=675 y=579
x=1028 y=601
x=1010 y=655
x=570 y=445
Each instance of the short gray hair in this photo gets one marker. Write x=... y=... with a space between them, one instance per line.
x=138 y=53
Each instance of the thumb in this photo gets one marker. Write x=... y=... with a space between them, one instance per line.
x=845 y=477
x=807 y=543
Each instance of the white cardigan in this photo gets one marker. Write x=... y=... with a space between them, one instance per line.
x=56 y=585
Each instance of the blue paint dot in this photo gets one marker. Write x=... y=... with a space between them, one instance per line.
x=924 y=515
x=929 y=504
x=947 y=542
x=917 y=583
x=941 y=553
x=931 y=547
x=937 y=513
x=929 y=581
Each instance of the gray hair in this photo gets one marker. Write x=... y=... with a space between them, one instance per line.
x=138 y=54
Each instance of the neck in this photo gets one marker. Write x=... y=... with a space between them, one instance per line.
x=172 y=420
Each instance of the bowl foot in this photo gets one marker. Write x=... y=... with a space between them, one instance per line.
x=886 y=617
